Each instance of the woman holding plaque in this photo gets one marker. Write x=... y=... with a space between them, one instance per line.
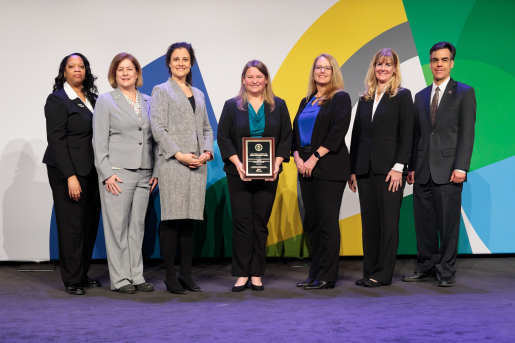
x=322 y=160
x=380 y=150
x=254 y=112
x=180 y=126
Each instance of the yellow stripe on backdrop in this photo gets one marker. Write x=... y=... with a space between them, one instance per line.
x=340 y=32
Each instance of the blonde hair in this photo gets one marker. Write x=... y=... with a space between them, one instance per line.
x=268 y=93
x=111 y=74
x=335 y=84
x=393 y=85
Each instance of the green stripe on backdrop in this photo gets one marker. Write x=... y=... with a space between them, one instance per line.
x=213 y=236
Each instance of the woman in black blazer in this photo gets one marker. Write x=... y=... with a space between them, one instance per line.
x=71 y=173
x=322 y=159
x=380 y=149
x=255 y=112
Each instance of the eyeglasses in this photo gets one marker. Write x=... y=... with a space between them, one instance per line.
x=319 y=68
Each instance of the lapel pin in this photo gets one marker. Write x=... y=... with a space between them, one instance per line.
x=450 y=92
x=81 y=105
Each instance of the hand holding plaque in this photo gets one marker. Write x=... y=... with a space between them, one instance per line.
x=258 y=157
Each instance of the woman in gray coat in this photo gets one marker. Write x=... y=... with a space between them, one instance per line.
x=124 y=159
x=181 y=128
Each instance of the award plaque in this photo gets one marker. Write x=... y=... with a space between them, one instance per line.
x=258 y=157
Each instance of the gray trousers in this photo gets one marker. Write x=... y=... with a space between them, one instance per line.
x=123 y=216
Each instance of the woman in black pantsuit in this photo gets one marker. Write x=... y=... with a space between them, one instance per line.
x=322 y=160
x=380 y=149
x=71 y=173
x=255 y=112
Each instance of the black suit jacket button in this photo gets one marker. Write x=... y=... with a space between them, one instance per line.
x=370 y=137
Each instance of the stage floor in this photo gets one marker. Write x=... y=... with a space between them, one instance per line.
x=480 y=308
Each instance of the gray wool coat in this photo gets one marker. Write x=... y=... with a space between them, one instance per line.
x=175 y=128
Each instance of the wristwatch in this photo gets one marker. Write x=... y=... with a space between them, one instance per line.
x=317 y=155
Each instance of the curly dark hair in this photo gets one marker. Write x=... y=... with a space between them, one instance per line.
x=88 y=85
x=179 y=45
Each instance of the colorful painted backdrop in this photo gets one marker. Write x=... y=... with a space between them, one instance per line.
x=292 y=33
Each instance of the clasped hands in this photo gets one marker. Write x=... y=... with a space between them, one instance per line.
x=305 y=168
x=191 y=160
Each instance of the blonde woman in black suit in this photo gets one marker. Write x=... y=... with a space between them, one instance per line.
x=380 y=150
x=322 y=160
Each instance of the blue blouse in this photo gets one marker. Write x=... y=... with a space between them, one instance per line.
x=306 y=121
x=257 y=121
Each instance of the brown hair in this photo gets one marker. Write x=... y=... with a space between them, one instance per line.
x=371 y=81
x=111 y=74
x=335 y=84
x=268 y=93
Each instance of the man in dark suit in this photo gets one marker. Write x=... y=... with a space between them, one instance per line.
x=443 y=138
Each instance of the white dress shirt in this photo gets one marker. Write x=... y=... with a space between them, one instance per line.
x=72 y=95
x=398 y=167
x=441 y=91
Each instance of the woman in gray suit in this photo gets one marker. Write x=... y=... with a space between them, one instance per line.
x=123 y=145
x=182 y=131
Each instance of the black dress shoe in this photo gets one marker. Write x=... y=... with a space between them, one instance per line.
x=419 y=277
x=175 y=289
x=75 y=289
x=447 y=281
x=257 y=288
x=371 y=283
x=190 y=285
x=239 y=288
x=144 y=287
x=306 y=282
x=320 y=285
x=90 y=283
x=360 y=282
x=127 y=289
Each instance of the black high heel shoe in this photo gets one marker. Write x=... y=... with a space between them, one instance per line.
x=241 y=288
x=257 y=288
x=192 y=286
x=320 y=285
x=175 y=290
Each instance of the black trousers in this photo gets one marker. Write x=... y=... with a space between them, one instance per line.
x=77 y=224
x=322 y=200
x=251 y=205
x=172 y=233
x=437 y=214
x=380 y=213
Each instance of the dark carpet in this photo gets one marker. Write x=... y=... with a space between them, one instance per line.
x=480 y=308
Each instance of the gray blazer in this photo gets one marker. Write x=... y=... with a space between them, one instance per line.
x=177 y=128
x=120 y=139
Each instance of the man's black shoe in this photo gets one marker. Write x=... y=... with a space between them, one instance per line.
x=447 y=281
x=74 y=289
x=419 y=277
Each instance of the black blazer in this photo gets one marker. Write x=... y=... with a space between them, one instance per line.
x=447 y=145
x=69 y=130
x=387 y=139
x=234 y=125
x=330 y=128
